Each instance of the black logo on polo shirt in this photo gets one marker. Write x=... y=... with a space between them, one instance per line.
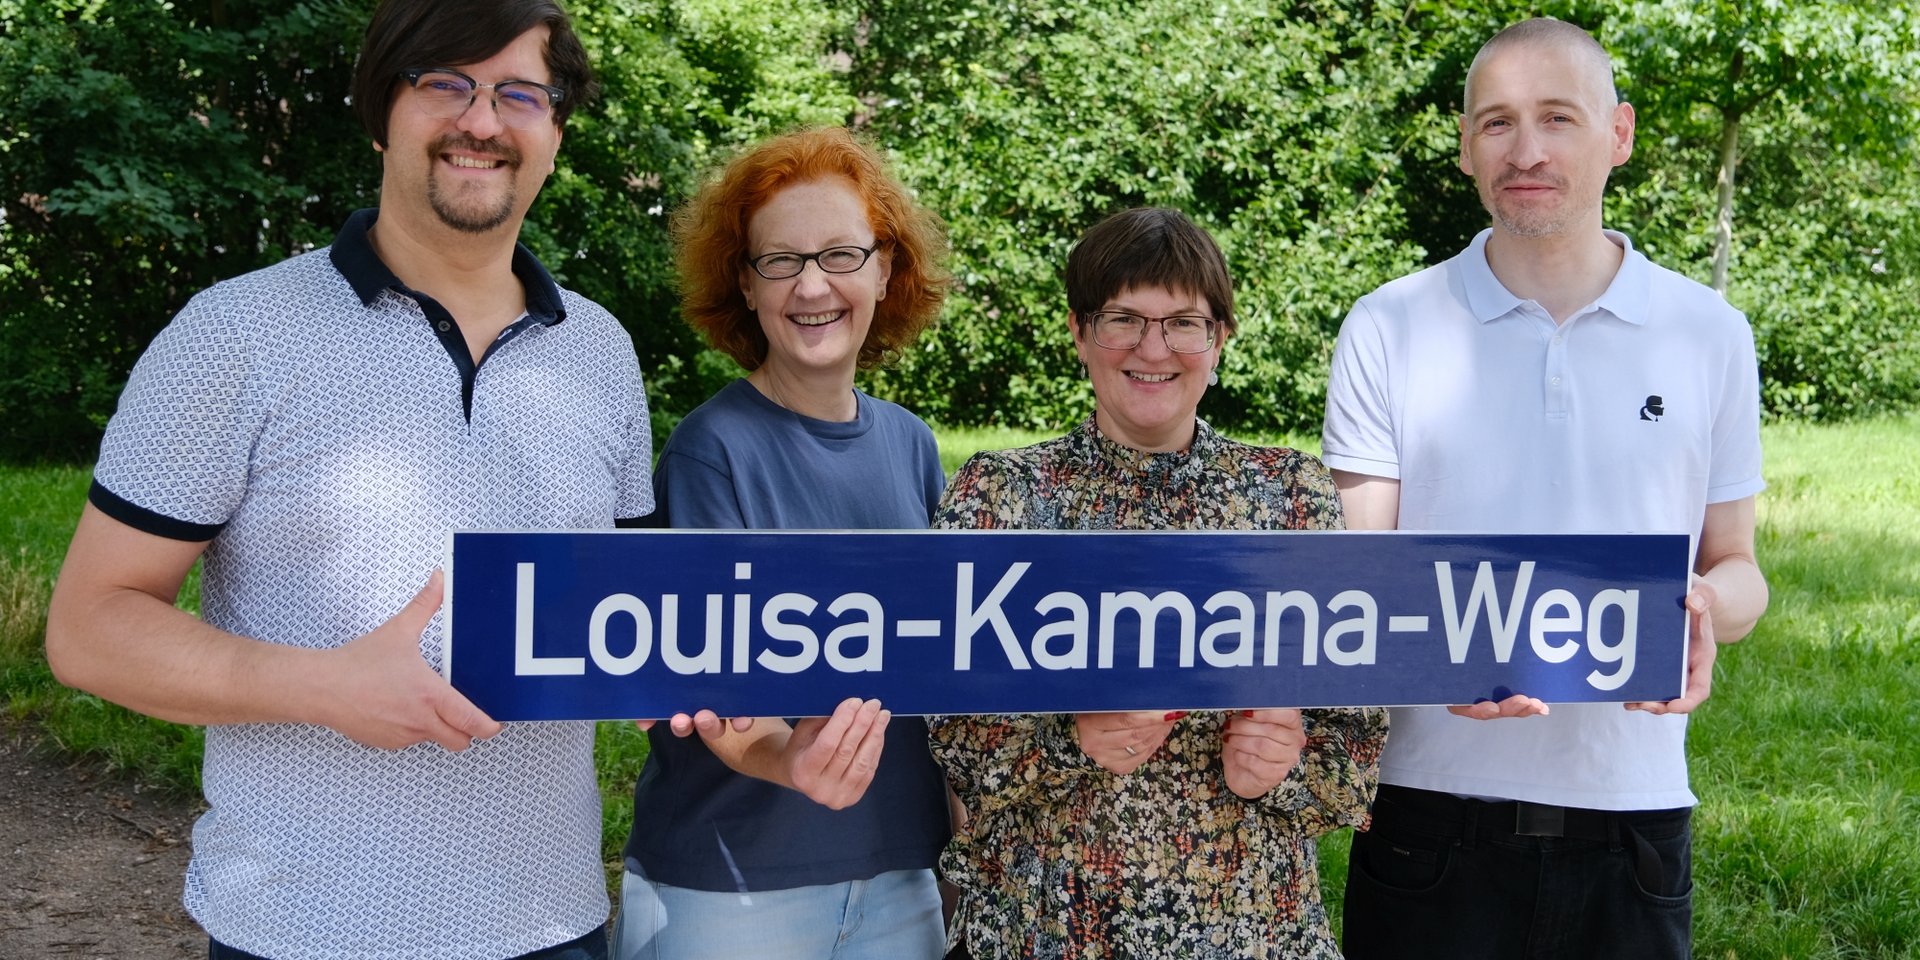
x=1653 y=410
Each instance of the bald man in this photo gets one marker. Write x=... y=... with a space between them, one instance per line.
x=1548 y=379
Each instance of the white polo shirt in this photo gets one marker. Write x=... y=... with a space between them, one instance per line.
x=1632 y=416
x=324 y=428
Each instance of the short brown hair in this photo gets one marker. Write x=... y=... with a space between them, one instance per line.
x=434 y=33
x=710 y=242
x=1148 y=247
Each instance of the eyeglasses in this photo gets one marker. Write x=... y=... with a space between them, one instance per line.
x=1123 y=331
x=782 y=264
x=444 y=94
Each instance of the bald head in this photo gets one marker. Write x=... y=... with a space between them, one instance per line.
x=1558 y=36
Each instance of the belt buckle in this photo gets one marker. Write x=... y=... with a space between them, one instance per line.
x=1539 y=820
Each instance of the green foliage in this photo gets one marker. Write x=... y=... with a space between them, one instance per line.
x=23 y=617
x=149 y=149
x=1807 y=761
x=1825 y=261
x=619 y=751
x=1832 y=303
x=145 y=152
x=685 y=82
x=1024 y=124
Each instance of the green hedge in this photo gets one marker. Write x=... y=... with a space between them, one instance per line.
x=147 y=150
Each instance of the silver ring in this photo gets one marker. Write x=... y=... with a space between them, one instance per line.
x=1131 y=752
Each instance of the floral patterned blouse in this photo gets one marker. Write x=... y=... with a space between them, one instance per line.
x=1063 y=859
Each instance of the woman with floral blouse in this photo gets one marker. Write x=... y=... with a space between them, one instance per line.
x=1163 y=834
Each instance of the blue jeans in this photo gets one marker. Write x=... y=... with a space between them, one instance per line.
x=589 y=946
x=1440 y=876
x=894 y=916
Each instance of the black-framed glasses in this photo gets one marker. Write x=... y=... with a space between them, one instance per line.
x=444 y=93
x=1118 y=330
x=782 y=264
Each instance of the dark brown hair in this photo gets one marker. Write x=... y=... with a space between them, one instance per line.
x=436 y=33
x=1148 y=247
x=710 y=242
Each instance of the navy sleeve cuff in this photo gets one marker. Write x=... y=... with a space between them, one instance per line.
x=146 y=521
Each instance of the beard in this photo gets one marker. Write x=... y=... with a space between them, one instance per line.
x=467 y=209
x=1522 y=220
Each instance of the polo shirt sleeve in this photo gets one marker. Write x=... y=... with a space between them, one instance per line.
x=1358 y=434
x=635 y=497
x=174 y=461
x=1734 y=472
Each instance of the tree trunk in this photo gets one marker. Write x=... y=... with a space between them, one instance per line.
x=1730 y=113
x=1723 y=226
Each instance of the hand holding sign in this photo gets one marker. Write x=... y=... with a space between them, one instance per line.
x=832 y=759
x=1517 y=705
x=1260 y=748
x=1702 y=650
x=707 y=723
x=1121 y=742
x=387 y=695
x=550 y=626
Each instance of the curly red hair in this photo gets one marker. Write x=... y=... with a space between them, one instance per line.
x=710 y=242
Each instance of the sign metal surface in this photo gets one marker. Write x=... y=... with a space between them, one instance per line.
x=633 y=624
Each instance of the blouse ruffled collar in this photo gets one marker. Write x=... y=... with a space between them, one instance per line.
x=1104 y=455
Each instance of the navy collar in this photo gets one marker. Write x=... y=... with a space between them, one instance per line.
x=353 y=255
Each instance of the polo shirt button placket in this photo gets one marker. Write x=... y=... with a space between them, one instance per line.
x=1556 y=367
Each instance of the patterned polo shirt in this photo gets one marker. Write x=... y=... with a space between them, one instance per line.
x=325 y=428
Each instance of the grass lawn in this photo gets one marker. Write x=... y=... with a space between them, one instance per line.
x=1807 y=760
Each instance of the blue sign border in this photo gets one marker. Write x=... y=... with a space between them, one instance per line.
x=646 y=623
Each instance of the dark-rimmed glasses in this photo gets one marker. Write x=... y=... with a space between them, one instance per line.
x=783 y=264
x=444 y=93
x=1118 y=330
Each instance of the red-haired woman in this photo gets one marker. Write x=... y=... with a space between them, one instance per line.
x=805 y=259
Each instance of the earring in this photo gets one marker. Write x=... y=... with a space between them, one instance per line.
x=1084 y=373
x=1213 y=378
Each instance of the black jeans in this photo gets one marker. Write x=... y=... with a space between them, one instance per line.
x=590 y=946
x=1439 y=876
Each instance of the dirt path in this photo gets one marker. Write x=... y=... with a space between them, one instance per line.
x=92 y=865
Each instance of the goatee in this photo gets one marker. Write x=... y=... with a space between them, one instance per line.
x=472 y=215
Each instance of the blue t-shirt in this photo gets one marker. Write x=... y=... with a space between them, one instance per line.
x=741 y=461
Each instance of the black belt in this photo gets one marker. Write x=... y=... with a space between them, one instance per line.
x=1458 y=818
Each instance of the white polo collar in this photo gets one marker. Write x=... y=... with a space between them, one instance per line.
x=1628 y=297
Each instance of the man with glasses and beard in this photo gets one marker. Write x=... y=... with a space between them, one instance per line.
x=312 y=432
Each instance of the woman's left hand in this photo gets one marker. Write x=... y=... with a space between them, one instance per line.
x=1121 y=742
x=1260 y=747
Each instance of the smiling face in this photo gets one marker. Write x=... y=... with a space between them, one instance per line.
x=1540 y=136
x=472 y=173
x=1147 y=397
x=815 y=322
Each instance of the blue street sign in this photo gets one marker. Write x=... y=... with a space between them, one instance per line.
x=630 y=623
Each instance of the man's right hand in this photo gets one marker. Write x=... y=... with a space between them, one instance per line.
x=113 y=630
x=1514 y=706
x=387 y=695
